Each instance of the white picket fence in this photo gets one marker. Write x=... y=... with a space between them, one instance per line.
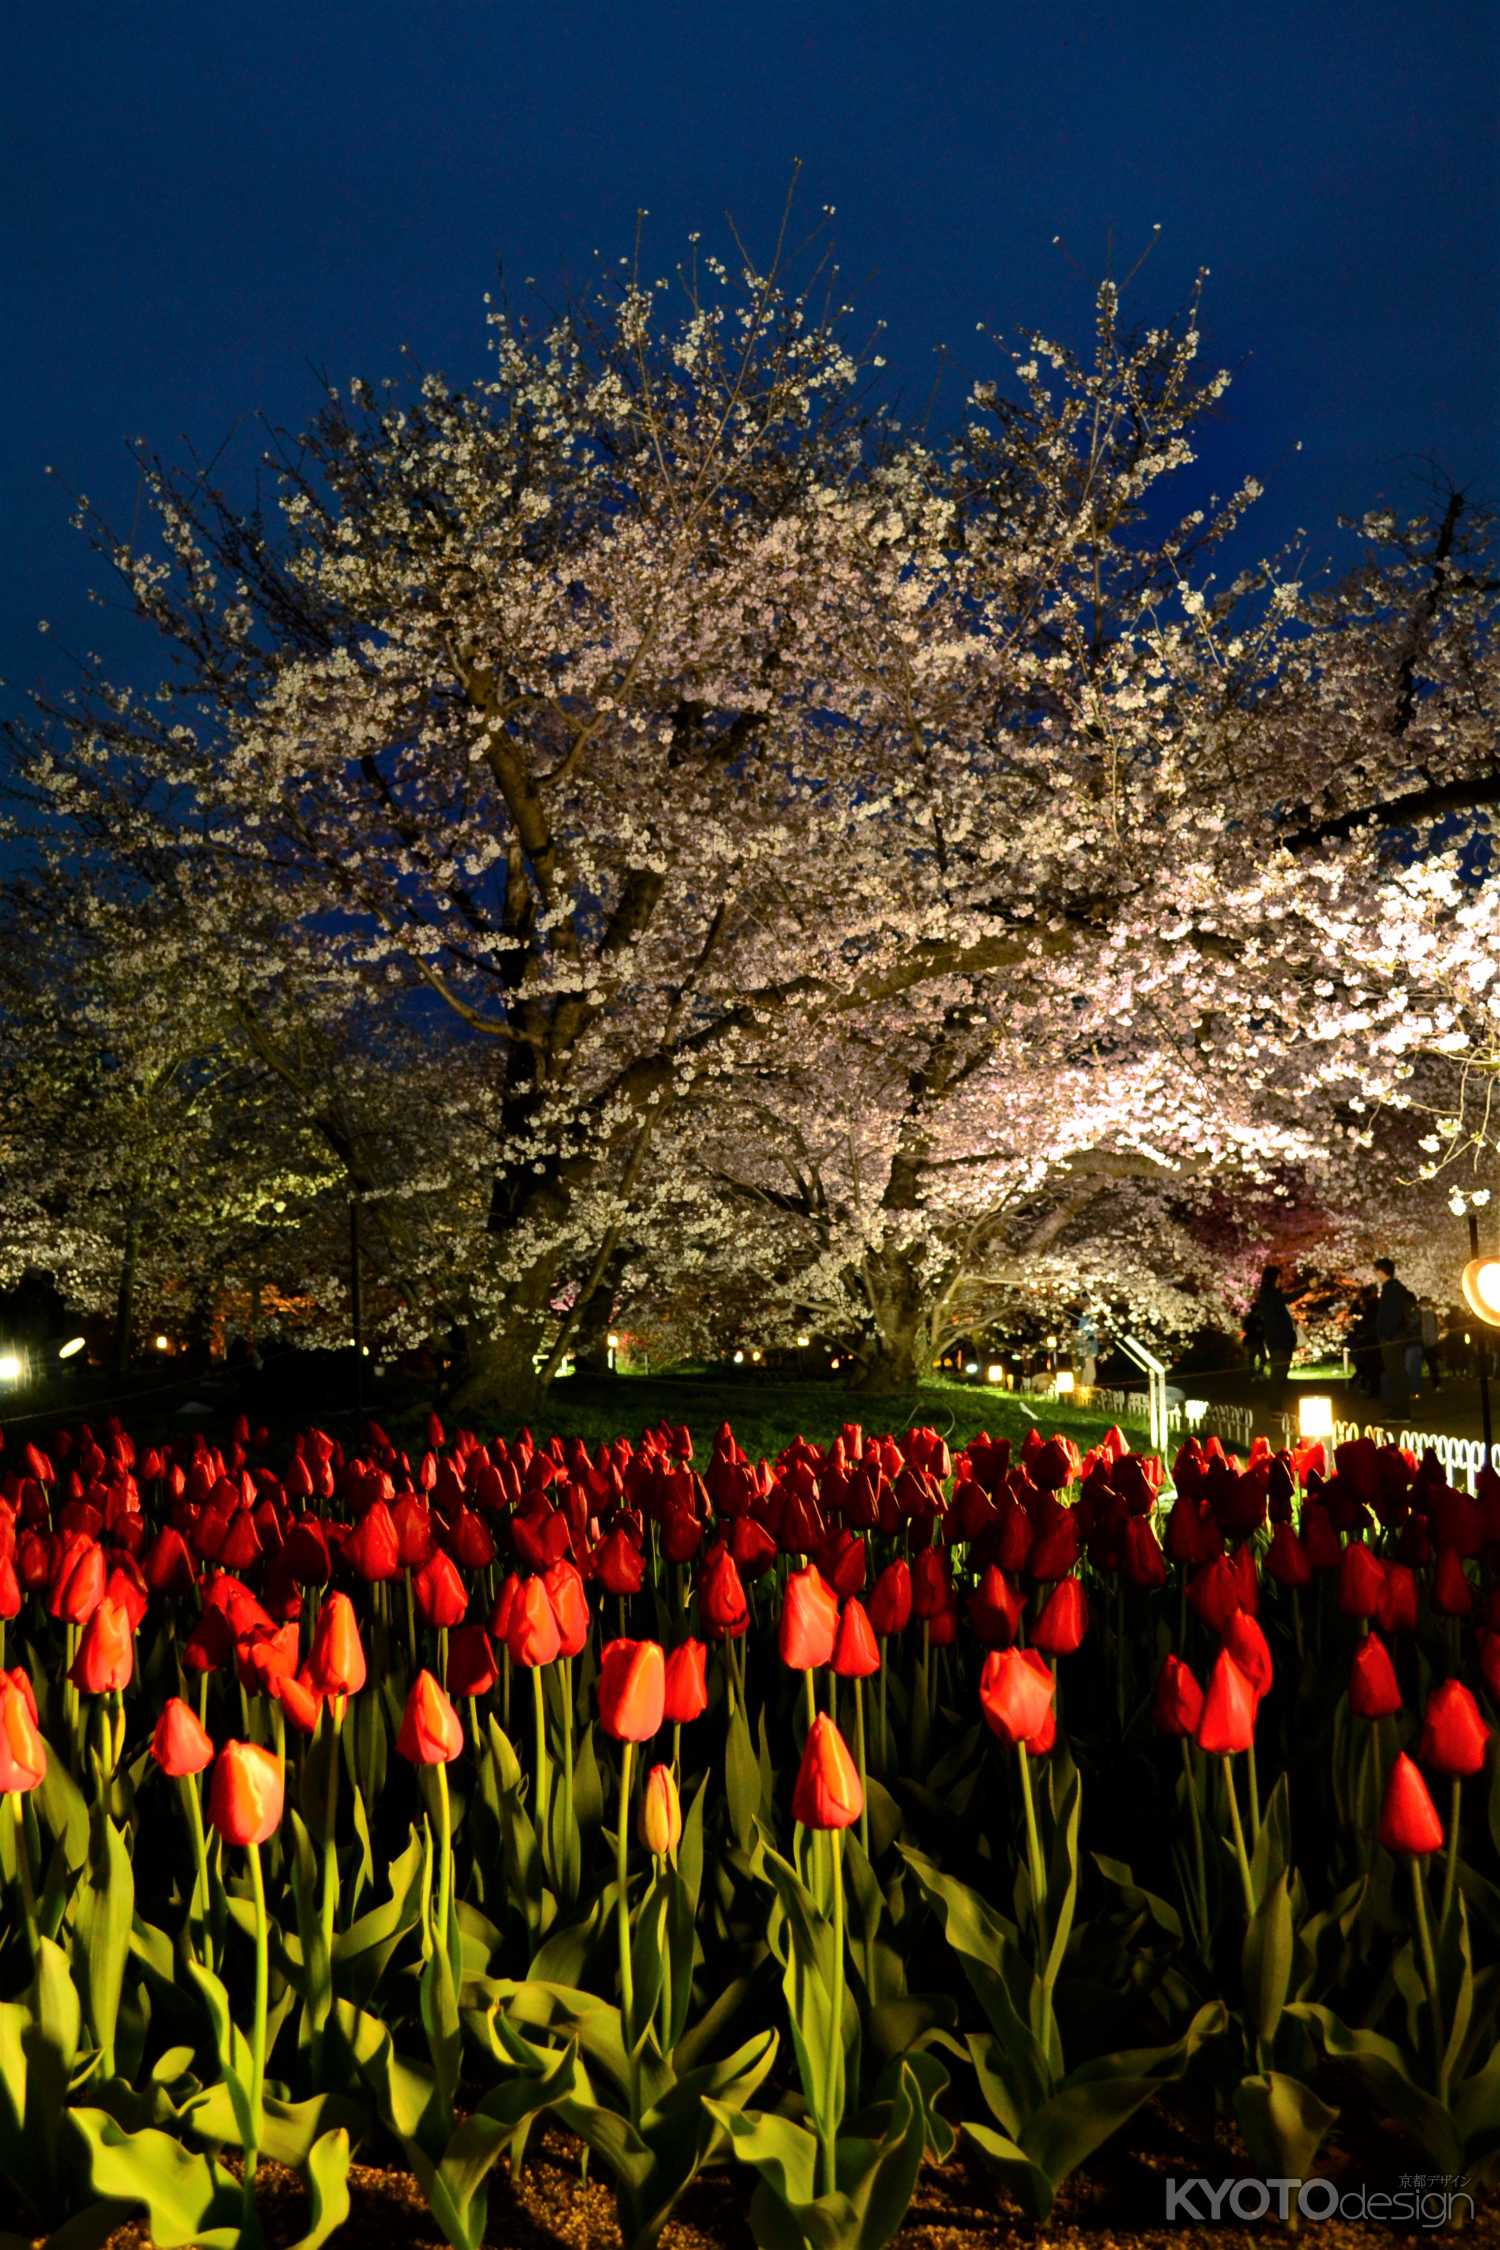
x=1461 y=1458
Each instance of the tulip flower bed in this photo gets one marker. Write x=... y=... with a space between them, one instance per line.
x=797 y=1821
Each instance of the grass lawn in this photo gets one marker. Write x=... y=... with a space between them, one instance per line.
x=767 y=1412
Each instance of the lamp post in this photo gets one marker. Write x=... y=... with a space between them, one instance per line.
x=1481 y=1287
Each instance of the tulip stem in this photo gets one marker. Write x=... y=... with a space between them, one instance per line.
x=1246 y=1885
x=539 y=1703
x=622 y=1911
x=1254 y=1782
x=1450 y=1871
x=859 y=1751
x=832 y=2083
x=1034 y=1852
x=1200 y=1869
x=565 y=1675
x=199 y=1904
x=1429 y=1974
x=23 y=1870
x=257 y=2033
x=445 y=1866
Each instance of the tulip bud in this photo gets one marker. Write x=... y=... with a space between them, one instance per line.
x=531 y=1631
x=1454 y=1736
x=336 y=1661
x=179 y=1743
x=632 y=1690
x=721 y=1597
x=106 y=1652
x=1227 y=1722
x=245 y=1794
x=1063 y=1619
x=827 y=1793
x=1016 y=1688
x=570 y=1605
x=809 y=1621
x=1373 y=1692
x=1408 y=1816
x=686 y=1683
x=440 y=1592
x=661 y=1813
x=430 y=1731
x=1177 y=1701
x=23 y=1760
x=856 y=1652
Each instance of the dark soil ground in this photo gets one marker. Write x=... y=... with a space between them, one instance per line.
x=1118 y=2204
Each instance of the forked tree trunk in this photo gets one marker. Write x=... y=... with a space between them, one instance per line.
x=900 y=1355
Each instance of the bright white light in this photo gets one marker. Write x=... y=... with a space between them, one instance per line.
x=10 y=1368
x=1051 y=1343
x=833 y=1363
x=803 y=1342
x=1064 y=1383
x=971 y=1367
x=1481 y=1287
x=739 y=1359
x=163 y=1343
x=994 y=1373
x=1194 y=1409
x=614 y=1341
x=1315 y=1417
x=71 y=1348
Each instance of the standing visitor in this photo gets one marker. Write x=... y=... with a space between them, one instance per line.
x=1364 y=1342
x=1271 y=1317
x=1396 y=1324
x=1432 y=1348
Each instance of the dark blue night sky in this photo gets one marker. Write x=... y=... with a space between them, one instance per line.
x=203 y=205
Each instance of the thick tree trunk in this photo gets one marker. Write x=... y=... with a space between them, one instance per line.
x=900 y=1304
x=591 y=1334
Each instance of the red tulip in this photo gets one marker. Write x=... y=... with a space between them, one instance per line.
x=440 y=1592
x=931 y=1583
x=721 y=1597
x=685 y=1685
x=1177 y=1700
x=856 y=1652
x=1246 y=1643
x=471 y=1662
x=531 y=1632
x=300 y=1699
x=827 y=1793
x=1454 y=1736
x=994 y=1609
x=1408 y=1816
x=1016 y=1688
x=809 y=1621
x=1373 y=1692
x=632 y=1689
x=23 y=1760
x=336 y=1661
x=372 y=1548
x=1227 y=1722
x=1361 y=1575
x=1452 y=1594
x=619 y=1564
x=245 y=1794
x=179 y=1743
x=106 y=1653
x=570 y=1604
x=430 y=1731
x=889 y=1606
x=1397 y=1610
x=1063 y=1619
